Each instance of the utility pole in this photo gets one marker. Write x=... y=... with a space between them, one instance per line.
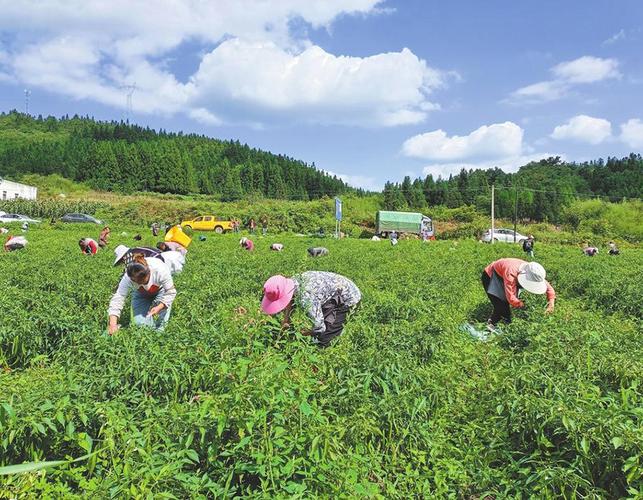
x=515 y=211
x=27 y=95
x=493 y=223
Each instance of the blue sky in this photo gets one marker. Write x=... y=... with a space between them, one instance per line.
x=371 y=90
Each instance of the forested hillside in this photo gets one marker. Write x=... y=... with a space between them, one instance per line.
x=117 y=156
x=538 y=191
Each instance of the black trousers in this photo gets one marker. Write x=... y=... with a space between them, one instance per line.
x=501 y=308
x=335 y=312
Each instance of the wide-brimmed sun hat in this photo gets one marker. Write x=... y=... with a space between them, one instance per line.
x=277 y=294
x=120 y=252
x=532 y=277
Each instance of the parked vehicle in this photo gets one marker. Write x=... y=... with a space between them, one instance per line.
x=7 y=218
x=83 y=218
x=503 y=235
x=403 y=222
x=208 y=223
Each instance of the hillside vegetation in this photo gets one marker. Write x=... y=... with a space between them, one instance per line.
x=539 y=191
x=116 y=156
x=592 y=221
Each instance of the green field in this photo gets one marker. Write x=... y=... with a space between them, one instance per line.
x=403 y=405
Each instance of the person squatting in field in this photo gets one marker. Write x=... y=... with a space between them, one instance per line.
x=246 y=244
x=168 y=246
x=505 y=278
x=88 y=246
x=590 y=251
x=317 y=251
x=103 y=237
x=153 y=289
x=326 y=298
x=613 y=248
x=14 y=243
x=276 y=247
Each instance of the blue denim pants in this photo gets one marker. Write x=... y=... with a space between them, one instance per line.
x=142 y=303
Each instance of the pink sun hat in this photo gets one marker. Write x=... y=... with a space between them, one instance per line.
x=277 y=294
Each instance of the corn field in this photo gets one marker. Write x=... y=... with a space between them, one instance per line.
x=48 y=208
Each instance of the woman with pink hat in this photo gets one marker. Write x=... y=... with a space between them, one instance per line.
x=325 y=297
x=503 y=280
x=247 y=244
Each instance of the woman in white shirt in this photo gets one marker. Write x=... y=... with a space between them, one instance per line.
x=153 y=294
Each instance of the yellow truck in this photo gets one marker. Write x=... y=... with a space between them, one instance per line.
x=208 y=223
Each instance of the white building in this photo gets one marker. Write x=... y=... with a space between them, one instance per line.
x=10 y=190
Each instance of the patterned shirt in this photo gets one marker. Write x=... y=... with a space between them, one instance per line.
x=314 y=288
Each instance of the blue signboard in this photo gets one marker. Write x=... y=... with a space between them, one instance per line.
x=338 y=209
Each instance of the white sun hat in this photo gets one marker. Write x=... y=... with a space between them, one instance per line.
x=120 y=252
x=532 y=277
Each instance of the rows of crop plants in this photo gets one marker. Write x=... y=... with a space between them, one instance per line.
x=403 y=405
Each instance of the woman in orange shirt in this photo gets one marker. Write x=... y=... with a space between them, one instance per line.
x=502 y=281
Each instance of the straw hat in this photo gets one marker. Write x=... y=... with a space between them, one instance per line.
x=277 y=294
x=532 y=277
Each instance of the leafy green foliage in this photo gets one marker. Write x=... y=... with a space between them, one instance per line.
x=539 y=191
x=126 y=158
x=404 y=404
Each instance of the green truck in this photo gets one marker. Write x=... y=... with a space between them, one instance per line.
x=404 y=222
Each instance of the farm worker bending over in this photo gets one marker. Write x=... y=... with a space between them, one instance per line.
x=168 y=246
x=317 y=251
x=174 y=260
x=613 y=248
x=88 y=246
x=14 y=243
x=503 y=279
x=103 y=237
x=154 y=292
x=277 y=247
x=590 y=251
x=326 y=297
x=246 y=244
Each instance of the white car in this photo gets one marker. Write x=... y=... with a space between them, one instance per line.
x=6 y=218
x=503 y=235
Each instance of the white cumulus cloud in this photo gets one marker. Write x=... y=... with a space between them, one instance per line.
x=385 y=89
x=583 y=128
x=587 y=69
x=499 y=140
x=632 y=133
x=567 y=75
x=252 y=68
